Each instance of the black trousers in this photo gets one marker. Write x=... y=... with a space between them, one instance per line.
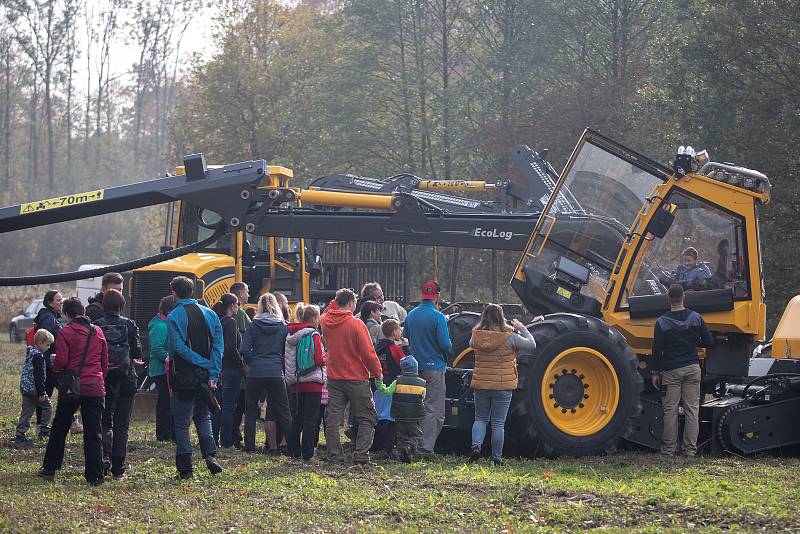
x=305 y=418
x=384 y=437
x=238 y=416
x=116 y=420
x=164 y=429
x=277 y=400
x=91 y=412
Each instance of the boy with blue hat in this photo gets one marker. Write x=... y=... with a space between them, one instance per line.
x=407 y=392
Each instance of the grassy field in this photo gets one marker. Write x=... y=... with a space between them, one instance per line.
x=630 y=491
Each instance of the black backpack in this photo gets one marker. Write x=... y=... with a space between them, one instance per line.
x=119 y=349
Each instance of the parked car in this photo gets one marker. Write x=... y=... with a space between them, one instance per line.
x=23 y=321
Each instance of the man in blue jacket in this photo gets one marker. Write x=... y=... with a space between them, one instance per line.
x=677 y=335
x=196 y=345
x=429 y=340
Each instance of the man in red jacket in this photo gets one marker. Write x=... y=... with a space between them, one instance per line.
x=351 y=363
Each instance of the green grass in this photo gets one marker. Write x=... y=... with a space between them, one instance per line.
x=630 y=491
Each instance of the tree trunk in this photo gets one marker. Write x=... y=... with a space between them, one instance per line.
x=407 y=132
x=7 y=123
x=445 y=29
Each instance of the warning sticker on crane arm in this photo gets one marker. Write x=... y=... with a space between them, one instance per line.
x=61 y=202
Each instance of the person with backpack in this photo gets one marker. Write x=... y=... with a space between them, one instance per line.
x=304 y=365
x=49 y=318
x=82 y=361
x=196 y=345
x=391 y=348
x=124 y=351
x=263 y=348
x=157 y=367
x=95 y=309
x=31 y=387
x=232 y=374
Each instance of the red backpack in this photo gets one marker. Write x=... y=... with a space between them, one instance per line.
x=30 y=334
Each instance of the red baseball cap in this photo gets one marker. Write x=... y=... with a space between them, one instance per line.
x=430 y=290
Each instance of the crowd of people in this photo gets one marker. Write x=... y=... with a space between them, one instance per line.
x=363 y=363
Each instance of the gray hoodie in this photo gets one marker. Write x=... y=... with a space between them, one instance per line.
x=263 y=345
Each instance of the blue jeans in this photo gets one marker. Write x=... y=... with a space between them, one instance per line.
x=491 y=404
x=230 y=384
x=188 y=405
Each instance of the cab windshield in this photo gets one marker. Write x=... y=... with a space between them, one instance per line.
x=602 y=188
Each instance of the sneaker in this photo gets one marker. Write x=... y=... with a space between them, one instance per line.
x=76 y=428
x=184 y=475
x=46 y=473
x=361 y=460
x=238 y=445
x=106 y=467
x=43 y=436
x=213 y=465
x=406 y=455
x=118 y=476
x=96 y=482
x=475 y=454
x=22 y=441
x=497 y=462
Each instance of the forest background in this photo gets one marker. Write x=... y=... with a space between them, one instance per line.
x=438 y=88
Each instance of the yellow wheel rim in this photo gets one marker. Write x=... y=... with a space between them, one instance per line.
x=467 y=356
x=580 y=391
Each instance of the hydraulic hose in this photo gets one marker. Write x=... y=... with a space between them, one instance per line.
x=120 y=267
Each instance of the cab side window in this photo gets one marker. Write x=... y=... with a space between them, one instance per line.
x=715 y=235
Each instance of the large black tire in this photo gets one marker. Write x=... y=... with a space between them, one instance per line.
x=530 y=427
x=460 y=327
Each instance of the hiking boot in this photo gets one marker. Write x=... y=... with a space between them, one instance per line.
x=76 y=428
x=213 y=465
x=406 y=455
x=46 y=473
x=22 y=441
x=475 y=454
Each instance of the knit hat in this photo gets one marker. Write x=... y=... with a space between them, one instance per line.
x=430 y=290
x=408 y=364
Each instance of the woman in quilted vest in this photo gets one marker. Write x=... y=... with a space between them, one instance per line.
x=496 y=345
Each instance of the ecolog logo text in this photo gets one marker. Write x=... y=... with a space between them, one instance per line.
x=491 y=232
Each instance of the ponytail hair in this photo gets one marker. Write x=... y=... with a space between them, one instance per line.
x=267 y=303
x=224 y=304
x=298 y=311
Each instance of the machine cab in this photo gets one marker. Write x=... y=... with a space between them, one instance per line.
x=619 y=228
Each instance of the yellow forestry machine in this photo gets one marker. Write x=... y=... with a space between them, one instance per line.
x=592 y=252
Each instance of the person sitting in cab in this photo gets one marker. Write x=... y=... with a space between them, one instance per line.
x=691 y=274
